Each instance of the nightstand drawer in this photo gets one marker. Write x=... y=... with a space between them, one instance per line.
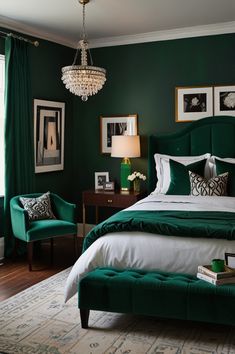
x=115 y=199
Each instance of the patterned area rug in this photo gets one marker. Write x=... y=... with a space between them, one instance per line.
x=36 y=321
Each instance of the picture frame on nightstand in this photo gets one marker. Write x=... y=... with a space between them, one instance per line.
x=230 y=259
x=109 y=186
x=100 y=179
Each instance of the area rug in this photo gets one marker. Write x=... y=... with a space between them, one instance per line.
x=36 y=321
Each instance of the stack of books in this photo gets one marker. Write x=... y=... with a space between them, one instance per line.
x=225 y=277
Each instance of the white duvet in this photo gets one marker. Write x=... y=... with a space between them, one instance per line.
x=140 y=250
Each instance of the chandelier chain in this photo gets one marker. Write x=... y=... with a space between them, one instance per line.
x=84 y=35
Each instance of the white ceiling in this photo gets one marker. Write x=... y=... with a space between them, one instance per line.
x=111 y=22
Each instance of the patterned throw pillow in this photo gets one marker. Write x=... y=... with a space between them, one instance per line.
x=38 y=208
x=216 y=186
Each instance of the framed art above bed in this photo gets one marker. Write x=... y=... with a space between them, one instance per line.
x=193 y=103
x=224 y=100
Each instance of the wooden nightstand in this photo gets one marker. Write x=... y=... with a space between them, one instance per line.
x=114 y=199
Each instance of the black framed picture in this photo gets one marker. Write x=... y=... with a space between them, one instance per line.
x=224 y=100
x=48 y=135
x=193 y=103
x=100 y=179
x=117 y=125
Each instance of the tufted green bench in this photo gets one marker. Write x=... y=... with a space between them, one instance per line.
x=161 y=294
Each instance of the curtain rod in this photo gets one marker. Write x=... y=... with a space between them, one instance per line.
x=5 y=34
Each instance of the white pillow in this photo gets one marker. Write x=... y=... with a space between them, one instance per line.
x=163 y=169
x=213 y=165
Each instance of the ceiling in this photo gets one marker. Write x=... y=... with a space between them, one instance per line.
x=111 y=22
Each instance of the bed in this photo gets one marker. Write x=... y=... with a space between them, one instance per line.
x=165 y=235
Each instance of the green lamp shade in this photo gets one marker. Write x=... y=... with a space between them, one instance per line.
x=125 y=172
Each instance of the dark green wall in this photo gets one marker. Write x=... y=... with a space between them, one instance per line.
x=46 y=63
x=142 y=79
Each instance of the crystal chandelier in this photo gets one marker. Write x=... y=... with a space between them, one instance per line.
x=83 y=80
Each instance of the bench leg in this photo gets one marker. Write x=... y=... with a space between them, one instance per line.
x=84 y=314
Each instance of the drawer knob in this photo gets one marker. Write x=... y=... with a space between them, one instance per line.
x=110 y=200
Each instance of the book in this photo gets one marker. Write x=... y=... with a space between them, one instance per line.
x=206 y=269
x=211 y=280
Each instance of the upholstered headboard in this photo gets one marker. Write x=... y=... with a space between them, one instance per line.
x=215 y=135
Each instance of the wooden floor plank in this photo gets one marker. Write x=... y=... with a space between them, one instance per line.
x=15 y=276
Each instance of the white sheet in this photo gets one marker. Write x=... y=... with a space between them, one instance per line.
x=139 y=250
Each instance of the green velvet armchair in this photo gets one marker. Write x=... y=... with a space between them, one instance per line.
x=30 y=231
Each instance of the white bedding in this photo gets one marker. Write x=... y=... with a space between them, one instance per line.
x=140 y=250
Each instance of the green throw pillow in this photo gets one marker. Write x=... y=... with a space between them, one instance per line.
x=222 y=167
x=180 y=183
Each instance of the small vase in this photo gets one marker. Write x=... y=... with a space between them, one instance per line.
x=136 y=185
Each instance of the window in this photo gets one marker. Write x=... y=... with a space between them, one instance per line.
x=2 y=80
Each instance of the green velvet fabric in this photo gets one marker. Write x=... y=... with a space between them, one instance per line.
x=43 y=229
x=222 y=167
x=169 y=223
x=19 y=165
x=180 y=183
x=199 y=137
x=157 y=293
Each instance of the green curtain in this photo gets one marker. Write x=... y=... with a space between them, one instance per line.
x=19 y=163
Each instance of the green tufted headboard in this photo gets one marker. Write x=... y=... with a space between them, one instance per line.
x=215 y=135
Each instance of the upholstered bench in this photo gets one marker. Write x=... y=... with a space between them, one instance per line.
x=161 y=294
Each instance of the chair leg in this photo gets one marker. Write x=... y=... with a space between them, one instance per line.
x=16 y=244
x=30 y=254
x=84 y=314
x=52 y=251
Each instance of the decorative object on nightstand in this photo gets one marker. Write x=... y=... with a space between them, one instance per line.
x=125 y=146
x=109 y=186
x=100 y=179
x=136 y=178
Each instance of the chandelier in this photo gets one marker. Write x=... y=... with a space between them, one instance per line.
x=83 y=80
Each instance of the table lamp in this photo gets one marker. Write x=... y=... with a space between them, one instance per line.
x=125 y=146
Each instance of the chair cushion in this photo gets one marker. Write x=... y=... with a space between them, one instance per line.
x=38 y=208
x=43 y=229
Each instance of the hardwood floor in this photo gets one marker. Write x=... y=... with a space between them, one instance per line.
x=15 y=276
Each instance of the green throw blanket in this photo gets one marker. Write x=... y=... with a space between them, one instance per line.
x=170 y=223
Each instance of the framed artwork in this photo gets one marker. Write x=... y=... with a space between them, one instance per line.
x=193 y=103
x=48 y=135
x=100 y=179
x=117 y=125
x=109 y=186
x=224 y=100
